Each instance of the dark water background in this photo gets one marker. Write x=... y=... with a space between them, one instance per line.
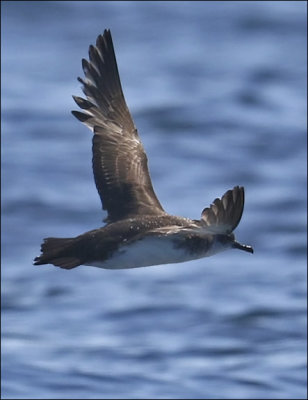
x=218 y=93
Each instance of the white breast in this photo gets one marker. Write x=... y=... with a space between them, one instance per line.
x=146 y=252
x=155 y=250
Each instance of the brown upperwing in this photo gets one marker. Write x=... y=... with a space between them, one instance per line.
x=120 y=164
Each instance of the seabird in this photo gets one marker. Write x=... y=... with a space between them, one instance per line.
x=138 y=231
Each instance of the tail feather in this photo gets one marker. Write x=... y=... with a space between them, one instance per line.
x=66 y=262
x=56 y=251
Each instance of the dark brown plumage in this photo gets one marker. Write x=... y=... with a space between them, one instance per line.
x=138 y=232
x=120 y=165
x=225 y=213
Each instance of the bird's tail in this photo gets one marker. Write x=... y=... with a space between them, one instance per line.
x=59 y=252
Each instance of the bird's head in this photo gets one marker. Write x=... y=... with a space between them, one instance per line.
x=230 y=241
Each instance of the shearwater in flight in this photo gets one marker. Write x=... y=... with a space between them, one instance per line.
x=138 y=232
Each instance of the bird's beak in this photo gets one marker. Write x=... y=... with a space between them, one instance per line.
x=237 y=245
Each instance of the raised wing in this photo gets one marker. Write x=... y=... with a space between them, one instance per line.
x=224 y=214
x=119 y=161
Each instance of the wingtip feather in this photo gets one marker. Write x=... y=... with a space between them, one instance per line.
x=224 y=214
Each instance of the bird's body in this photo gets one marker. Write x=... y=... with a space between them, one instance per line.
x=139 y=232
x=135 y=242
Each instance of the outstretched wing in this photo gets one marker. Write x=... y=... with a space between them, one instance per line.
x=119 y=161
x=224 y=214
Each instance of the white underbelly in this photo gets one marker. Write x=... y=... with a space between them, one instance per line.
x=147 y=252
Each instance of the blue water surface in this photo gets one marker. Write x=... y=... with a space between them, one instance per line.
x=218 y=93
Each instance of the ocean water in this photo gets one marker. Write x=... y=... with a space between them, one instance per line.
x=218 y=92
